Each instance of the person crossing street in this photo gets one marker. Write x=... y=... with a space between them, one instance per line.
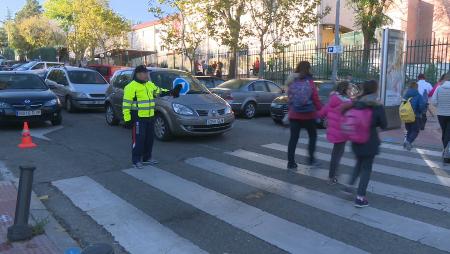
x=139 y=111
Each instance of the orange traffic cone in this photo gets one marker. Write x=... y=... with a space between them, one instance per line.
x=27 y=142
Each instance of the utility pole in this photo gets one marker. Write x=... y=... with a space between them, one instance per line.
x=336 y=41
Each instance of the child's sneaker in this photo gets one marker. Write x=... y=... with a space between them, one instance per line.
x=361 y=202
x=332 y=181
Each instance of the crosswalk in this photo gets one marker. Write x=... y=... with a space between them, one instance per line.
x=248 y=194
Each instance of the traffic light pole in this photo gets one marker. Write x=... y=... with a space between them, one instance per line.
x=336 y=41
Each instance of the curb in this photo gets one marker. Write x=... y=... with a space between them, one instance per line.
x=53 y=230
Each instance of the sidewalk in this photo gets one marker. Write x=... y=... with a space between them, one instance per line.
x=428 y=138
x=54 y=241
x=39 y=244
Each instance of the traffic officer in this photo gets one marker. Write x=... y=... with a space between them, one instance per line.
x=139 y=111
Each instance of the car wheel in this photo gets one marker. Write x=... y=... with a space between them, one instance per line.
x=110 y=115
x=249 y=110
x=57 y=120
x=162 y=129
x=69 y=105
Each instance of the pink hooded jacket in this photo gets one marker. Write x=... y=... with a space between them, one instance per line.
x=332 y=112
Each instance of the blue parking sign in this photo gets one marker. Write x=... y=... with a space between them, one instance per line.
x=184 y=83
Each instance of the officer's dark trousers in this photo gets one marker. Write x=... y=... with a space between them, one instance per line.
x=143 y=134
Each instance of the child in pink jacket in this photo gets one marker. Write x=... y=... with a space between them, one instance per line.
x=333 y=113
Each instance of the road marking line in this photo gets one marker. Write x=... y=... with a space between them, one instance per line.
x=41 y=132
x=400 y=148
x=388 y=170
x=394 y=157
x=133 y=229
x=404 y=194
x=274 y=230
x=405 y=227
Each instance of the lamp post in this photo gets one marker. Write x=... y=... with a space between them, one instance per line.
x=336 y=41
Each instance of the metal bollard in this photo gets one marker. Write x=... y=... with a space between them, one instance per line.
x=21 y=230
x=100 y=248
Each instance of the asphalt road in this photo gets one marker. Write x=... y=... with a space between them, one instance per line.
x=409 y=209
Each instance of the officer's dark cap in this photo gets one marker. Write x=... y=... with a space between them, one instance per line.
x=140 y=68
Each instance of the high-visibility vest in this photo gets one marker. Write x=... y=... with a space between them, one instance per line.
x=141 y=98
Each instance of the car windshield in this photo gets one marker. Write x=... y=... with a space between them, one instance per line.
x=21 y=81
x=26 y=66
x=86 y=77
x=234 y=84
x=165 y=79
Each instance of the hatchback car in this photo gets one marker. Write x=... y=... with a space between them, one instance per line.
x=25 y=97
x=279 y=106
x=39 y=67
x=249 y=96
x=198 y=112
x=78 y=88
x=210 y=81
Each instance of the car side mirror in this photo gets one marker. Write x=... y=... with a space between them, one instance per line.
x=51 y=84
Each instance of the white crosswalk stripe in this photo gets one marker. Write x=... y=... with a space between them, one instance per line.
x=389 y=222
x=394 y=157
x=134 y=230
x=388 y=170
x=279 y=232
x=404 y=194
x=140 y=233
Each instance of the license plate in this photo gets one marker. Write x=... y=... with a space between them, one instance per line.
x=29 y=113
x=215 y=121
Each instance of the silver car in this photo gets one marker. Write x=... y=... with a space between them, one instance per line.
x=78 y=88
x=249 y=96
x=198 y=112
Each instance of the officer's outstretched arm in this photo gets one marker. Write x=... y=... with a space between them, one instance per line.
x=128 y=97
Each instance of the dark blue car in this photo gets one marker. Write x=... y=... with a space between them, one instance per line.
x=25 y=97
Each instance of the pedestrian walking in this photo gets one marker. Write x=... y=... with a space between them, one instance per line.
x=441 y=100
x=415 y=99
x=441 y=80
x=425 y=89
x=138 y=113
x=332 y=111
x=303 y=106
x=370 y=114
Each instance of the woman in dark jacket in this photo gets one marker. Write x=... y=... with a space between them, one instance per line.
x=365 y=153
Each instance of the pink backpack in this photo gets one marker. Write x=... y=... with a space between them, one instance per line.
x=356 y=125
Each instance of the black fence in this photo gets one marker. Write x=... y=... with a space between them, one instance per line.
x=429 y=57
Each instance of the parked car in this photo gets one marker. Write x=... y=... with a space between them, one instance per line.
x=210 y=81
x=78 y=88
x=39 y=67
x=25 y=97
x=199 y=112
x=279 y=106
x=106 y=70
x=249 y=96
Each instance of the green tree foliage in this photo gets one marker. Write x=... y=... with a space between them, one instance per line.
x=370 y=16
x=276 y=22
x=30 y=9
x=183 y=32
x=225 y=23
x=89 y=24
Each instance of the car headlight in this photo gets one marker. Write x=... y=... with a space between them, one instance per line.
x=228 y=110
x=52 y=103
x=81 y=95
x=182 y=110
x=276 y=105
x=4 y=105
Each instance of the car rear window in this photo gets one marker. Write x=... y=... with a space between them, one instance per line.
x=164 y=79
x=233 y=84
x=101 y=69
x=21 y=81
x=86 y=77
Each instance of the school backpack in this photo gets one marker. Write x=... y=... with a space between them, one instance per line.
x=406 y=112
x=356 y=125
x=300 y=96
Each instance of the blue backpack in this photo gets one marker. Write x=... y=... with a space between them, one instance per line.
x=300 y=96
